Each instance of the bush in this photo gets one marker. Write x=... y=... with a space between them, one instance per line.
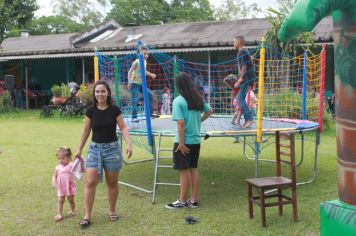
x=288 y=104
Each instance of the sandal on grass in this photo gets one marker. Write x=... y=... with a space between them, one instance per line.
x=84 y=223
x=71 y=213
x=113 y=217
x=58 y=218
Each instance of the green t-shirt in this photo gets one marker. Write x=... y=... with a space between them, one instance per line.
x=136 y=74
x=191 y=118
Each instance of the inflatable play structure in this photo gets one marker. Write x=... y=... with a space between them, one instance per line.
x=338 y=217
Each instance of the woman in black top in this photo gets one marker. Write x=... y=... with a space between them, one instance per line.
x=104 y=151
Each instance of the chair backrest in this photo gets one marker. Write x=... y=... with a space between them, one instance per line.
x=285 y=153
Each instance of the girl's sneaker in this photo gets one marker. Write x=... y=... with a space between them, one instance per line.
x=192 y=204
x=176 y=205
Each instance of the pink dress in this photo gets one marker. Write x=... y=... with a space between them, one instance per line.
x=65 y=180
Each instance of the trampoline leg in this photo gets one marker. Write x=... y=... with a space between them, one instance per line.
x=315 y=167
x=302 y=151
x=257 y=150
x=156 y=162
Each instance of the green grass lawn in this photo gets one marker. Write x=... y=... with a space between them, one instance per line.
x=28 y=202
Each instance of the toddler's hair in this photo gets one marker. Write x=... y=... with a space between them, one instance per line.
x=165 y=89
x=66 y=150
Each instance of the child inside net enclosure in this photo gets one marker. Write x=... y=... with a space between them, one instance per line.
x=230 y=81
x=166 y=102
x=135 y=84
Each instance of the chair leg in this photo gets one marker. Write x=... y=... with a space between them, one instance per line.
x=250 y=206
x=294 y=204
x=280 y=207
x=263 y=208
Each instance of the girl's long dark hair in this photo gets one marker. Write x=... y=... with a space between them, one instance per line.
x=101 y=82
x=186 y=89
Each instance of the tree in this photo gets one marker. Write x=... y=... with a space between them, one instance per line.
x=276 y=18
x=54 y=25
x=236 y=9
x=81 y=11
x=15 y=14
x=191 y=11
x=160 y=11
x=139 y=12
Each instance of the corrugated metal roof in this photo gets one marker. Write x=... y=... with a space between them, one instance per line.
x=112 y=53
x=179 y=37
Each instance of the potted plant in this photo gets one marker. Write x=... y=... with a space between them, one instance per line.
x=61 y=93
x=85 y=94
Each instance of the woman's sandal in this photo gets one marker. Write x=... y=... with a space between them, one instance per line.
x=84 y=223
x=113 y=217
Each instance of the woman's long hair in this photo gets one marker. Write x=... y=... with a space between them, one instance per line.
x=101 y=82
x=186 y=89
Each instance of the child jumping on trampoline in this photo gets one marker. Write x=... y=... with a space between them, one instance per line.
x=63 y=181
x=187 y=109
x=230 y=81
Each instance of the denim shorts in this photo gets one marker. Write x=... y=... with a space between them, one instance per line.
x=104 y=155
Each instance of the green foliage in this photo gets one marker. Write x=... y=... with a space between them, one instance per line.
x=288 y=104
x=15 y=14
x=235 y=10
x=81 y=11
x=60 y=91
x=159 y=11
x=86 y=94
x=5 y=101
x=139 y=12
x=191 y=11
x=276 y=18
x=54 y=25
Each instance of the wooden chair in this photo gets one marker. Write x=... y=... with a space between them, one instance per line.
x=271 y=187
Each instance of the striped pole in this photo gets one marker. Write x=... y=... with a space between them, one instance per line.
x=304 y=89
x=321 y=87
x=260 y=92
x=116 y=76
x=96 y=68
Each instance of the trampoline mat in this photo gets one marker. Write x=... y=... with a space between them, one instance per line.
x=221 y=126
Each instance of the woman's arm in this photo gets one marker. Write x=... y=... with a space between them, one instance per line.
x=121 y=123
x=85 y=135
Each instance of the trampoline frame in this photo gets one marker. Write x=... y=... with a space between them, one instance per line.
x=157 y=150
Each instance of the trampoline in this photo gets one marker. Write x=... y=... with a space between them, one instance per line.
x=220 y=126
x=289 y=91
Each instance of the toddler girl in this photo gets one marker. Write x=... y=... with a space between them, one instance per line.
x=63 y=181
x=166 y=102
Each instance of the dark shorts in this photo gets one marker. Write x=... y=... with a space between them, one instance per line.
x=188 y=161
